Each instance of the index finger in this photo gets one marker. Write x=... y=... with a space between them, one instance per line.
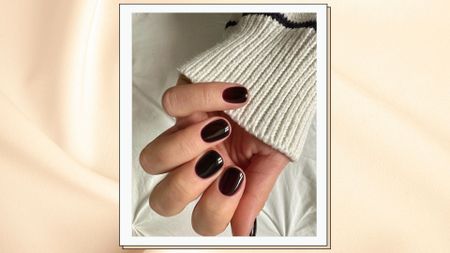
x=183 y=100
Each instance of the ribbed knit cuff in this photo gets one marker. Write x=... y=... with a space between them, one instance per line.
x=275 y=58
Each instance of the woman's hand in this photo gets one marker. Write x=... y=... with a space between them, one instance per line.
x=206 y=153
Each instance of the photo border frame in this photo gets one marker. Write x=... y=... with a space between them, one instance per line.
x=323 y=238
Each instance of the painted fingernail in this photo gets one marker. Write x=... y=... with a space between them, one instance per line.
x=230 y=181
x=253 y=231
x=215 y=131
x=208 y=164
x=236 y=94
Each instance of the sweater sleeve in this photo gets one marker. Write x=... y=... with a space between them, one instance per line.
x=274 y=56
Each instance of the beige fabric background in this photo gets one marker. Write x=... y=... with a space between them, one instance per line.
x=59 y=127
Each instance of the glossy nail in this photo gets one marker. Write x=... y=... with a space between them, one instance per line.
x=253 y=231
x=230 y=181
x=236 y=94
x=208 y=164
x=215 y=131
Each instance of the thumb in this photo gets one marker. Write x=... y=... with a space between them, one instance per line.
x=261 y=175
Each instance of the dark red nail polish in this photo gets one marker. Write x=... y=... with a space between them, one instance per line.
x=230 y=181
x=253 y=231
x=236 y=94
x=208 y=164
x=215 y=130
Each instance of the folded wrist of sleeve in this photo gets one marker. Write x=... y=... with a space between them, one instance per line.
x=274 y=56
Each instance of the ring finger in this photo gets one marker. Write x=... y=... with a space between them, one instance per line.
x=185 y=183
x=216 y=207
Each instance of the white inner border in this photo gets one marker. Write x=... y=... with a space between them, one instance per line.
x=126 y=238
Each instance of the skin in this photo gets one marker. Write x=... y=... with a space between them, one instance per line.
x=177 y=150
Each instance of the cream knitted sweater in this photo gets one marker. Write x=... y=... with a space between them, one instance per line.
x=274 y=56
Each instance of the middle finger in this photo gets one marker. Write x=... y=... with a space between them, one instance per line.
x=171 y=150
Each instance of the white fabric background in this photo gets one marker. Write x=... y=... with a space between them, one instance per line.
x=161 y=42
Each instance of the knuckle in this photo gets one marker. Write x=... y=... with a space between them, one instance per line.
x=212 y=220
x=187 y=147
x=161 y=205
x=145 y=164
x=209 y=229
x=260 y=199
x=158 y=206
x=215 y=212
x=181 y=192
x=168 y=101
x=201 y=230
x=206 y=95
x=150 y=161
x=219 y=230
x=170 y=196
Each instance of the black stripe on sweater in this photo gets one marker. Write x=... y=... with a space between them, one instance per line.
x=280 y=18
x=230 y=23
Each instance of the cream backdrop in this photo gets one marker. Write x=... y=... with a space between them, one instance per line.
x=59 y=129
